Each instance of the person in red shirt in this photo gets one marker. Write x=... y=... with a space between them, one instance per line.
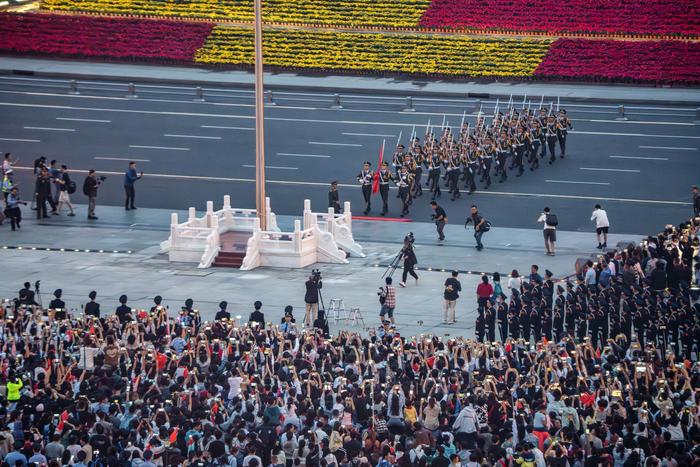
x=483 y=292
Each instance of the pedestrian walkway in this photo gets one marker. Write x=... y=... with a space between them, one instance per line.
x=349 y=84
x=144 y=272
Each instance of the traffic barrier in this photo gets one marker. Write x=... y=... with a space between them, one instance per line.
x=409 y=105
x=200 y=94
x=621 y=113
x=336 y=102
x=73 y=87
x=131 y=91
x=269 y=99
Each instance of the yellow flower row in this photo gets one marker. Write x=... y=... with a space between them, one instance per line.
x=405 y=53
x=397 y=13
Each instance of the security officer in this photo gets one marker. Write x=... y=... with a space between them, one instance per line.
x=385 y=176
x=551 y=133
x=334 y=197
x=365 y=178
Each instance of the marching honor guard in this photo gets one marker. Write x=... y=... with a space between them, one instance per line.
x=405 y=179
x=385 y=176
x=365 y=178
x=563 y=126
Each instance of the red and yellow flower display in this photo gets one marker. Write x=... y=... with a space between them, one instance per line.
x=393 y=13
x=419 y=54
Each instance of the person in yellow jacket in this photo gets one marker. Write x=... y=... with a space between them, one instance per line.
x=14 y=386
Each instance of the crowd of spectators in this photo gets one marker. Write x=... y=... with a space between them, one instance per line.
x=150 y=387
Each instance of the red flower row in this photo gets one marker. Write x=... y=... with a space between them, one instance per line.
x=101 y=37
x=633 y=61
x=680 y=17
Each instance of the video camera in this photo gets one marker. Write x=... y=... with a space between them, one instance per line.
x=410 y=238
x=316 y=274
x=103 y=178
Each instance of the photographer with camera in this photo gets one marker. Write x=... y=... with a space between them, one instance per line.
x=311 y=297
x=440 y=218
x=90 y=186
x=409 y=259
x=387 y=299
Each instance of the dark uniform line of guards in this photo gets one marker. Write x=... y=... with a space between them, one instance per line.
x=475 y=154
x=666 y=319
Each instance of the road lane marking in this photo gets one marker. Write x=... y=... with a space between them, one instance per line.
x=136 y=146
x=297 y=120
x=643 y=123
x=120 y=159
x=192 y=136
x=47 y=128
x=669 y=147
x=325 y=143
x=370 y=134
x=643 y=135
x=271 y=167
x=290 y=154
x=95 y=120
x=228 y=127
x=353 y=185
x=600 y=169
x=21 y=140
x=576 y=182
x=640 y=158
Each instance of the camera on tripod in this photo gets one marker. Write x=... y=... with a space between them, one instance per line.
x=102 y=178
x=316 y=275
x=410 y=238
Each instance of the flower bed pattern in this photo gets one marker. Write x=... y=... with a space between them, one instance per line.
x=396 y=13
x=659 y=61
x=675 y=17
x=101 y=37
x=405 y=53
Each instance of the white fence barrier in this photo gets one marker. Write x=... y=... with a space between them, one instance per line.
x=338 y=225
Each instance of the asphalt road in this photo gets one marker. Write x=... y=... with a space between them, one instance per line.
x=191 y=152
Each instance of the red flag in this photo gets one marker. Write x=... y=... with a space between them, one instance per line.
x=375 y=183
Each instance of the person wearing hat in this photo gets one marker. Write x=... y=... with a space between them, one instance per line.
x=334 y=197
x=366 y=177
x=563 y=127
x=385 y=176
x=12 y=210
x=222 y=313
x=404 y=182
x=288 y=325
x=92 y=308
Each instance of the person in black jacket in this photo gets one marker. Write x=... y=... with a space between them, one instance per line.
x=58 y=305
x=90 y=186
x=222 y=313
x=42 y=190
x=311 y=299
x=452 y=289
x=334 y=197
x=92 y=308
x=658 y=277
x=257 y=316
x=409 y=261
x=26 y=295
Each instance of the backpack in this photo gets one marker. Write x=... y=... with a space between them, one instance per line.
x=71 y=187
x=382 y=295
x=486 y=226
x=551 y=220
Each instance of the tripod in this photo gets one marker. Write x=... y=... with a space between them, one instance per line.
x=393 y=265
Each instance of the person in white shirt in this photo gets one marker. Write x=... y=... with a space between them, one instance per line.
x=515 y=281
x=549 y=222
x=600 y=217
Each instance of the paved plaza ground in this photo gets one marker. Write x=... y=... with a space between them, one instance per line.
x=144 y=272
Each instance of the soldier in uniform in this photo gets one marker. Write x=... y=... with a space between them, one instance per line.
x=535 y=144
x=385 y=176
x=453 y=165
x=519 y=143
x=487 y=152
x=334 y=197
x=551 y=135
x=405 y=179
x=433 y=164
x=563 y=125
x=502 y=148
x=365 y=177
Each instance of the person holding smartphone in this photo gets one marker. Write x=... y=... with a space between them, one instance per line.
x=130 y=178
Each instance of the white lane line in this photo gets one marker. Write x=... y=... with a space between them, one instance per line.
x=271 y=167
x=370 y=134
x=136 y=146
x=644 y=135
x=576 y=183
x=290 y=154
x=600 y=169
x=120 y=159
x=352 y=185
x=47 y=128
x=192 y=136
x=640 y=158
x=228 y=127
x=21 y=140
x=95 y=120
x=324 y=143
x=669 y=147
x=643 y=123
